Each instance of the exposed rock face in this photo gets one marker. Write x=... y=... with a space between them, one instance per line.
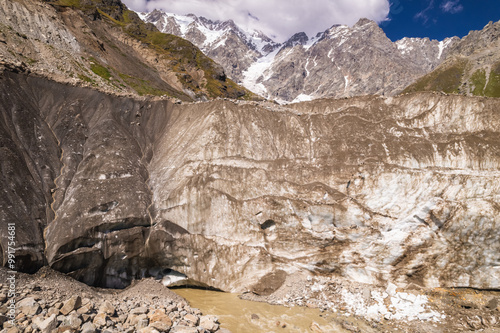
x=347 y=61
x=373 y=189
x=342 y=61
x=224 y=41
x=472 y=68
x=104 y=45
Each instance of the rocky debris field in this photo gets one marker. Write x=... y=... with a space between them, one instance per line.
x=367 y=308
x=49 y=301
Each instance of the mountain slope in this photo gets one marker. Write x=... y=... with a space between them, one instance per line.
x=342 y=61
x=103 y=44
x=225 y=42
x=473 y=66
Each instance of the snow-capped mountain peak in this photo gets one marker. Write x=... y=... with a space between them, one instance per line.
x=205 y=33
x=340 y=61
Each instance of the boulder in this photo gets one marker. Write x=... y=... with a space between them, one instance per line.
x=29 y=306
x=160 y=320
x=46 y=325
x=210 y=323
x=71 y=304
x=88 y=328
x=100 y=320
x=107 y=308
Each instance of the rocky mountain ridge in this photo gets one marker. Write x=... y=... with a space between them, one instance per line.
x=224 y=41
x=473 y=67
x=104 y=45
x=340 y=62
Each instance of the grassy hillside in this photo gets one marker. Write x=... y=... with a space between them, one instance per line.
x=461 y=77
x=447 y=78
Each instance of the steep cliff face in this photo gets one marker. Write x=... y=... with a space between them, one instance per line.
x=74 y=162
x=373 y=189
x=370 y=188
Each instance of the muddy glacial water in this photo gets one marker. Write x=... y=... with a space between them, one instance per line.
x=241 y=316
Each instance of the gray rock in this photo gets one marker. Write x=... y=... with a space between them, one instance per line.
x=159 y=320
x=29 y=306
x=86 y=308
x=52 y=311
x=148 y=329
x=88 y=328
x=107 y=308
x=142 y=322
x=139 y=310
x=100 y=320
x=46 y=325
x=183 y=329
x=492 y=304
x=210 y=323
x=71 y=304
x=191 y=319
x=73 y=321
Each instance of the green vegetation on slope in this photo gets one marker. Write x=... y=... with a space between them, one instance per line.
x=454 y=76
x=142 y=87
x=478 y=80
x=183 y=57
x=492 y=89
x=447 y=79
x=99 y=69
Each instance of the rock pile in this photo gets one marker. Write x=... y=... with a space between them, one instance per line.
x=145 y=307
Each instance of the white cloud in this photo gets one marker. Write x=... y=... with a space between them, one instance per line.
x=452 y=6
x=423 y=15
x=275 y=17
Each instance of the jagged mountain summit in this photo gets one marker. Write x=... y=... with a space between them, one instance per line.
x=346 y=61
x=232 y=47
x=339 y=62
x=473 y=67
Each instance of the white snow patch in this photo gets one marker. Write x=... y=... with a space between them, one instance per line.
x=303 y=98
x=329 y=55
x=305 y=67
x=257 y=71
x=346 y=78
x=404 y=45
x=403 y=306
x=309 y=43
x=182 y=20
x=221 y=42
x=442 y=45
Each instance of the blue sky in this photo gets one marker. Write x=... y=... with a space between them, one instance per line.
x=438 y=19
